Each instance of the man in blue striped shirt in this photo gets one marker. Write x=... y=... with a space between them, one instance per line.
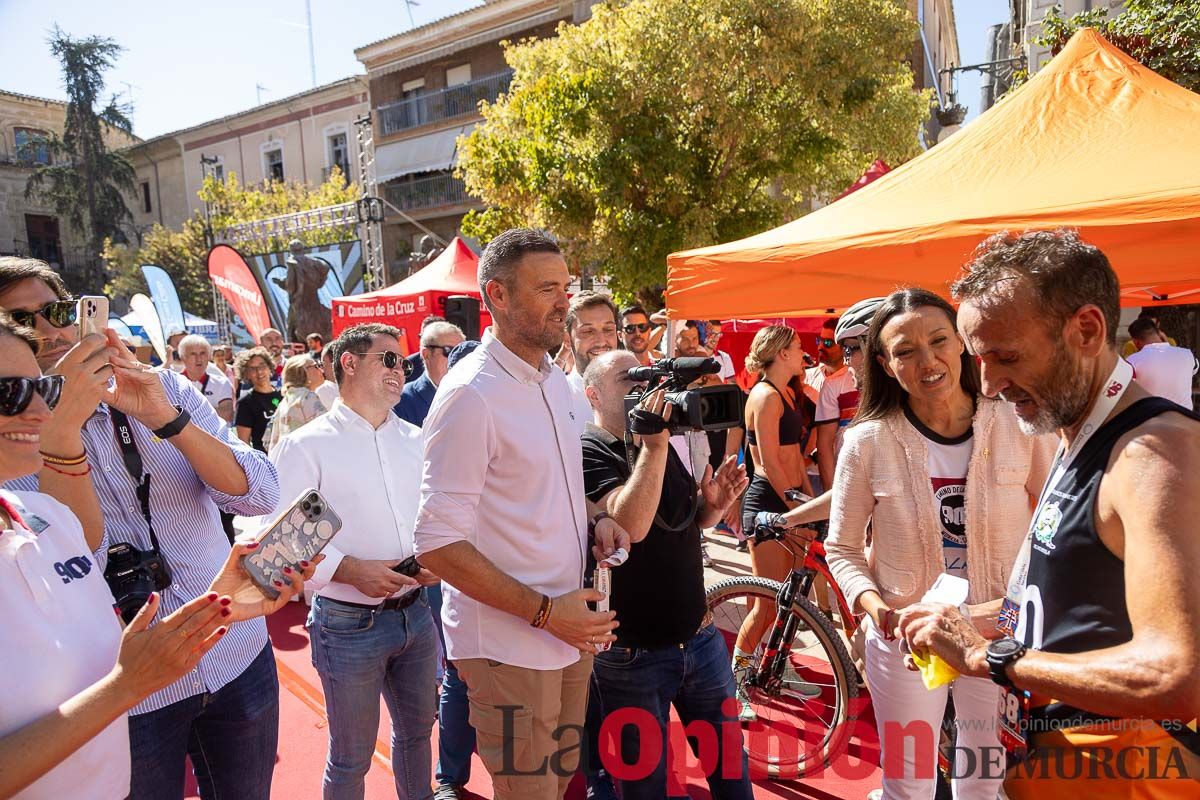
x=225 y=713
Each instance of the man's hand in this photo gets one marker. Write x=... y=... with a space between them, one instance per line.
x=87 y=371
x=577 y=625
x=726 y=486
x=609 y=537
x=943 y=630
x=138 y=390
x=427 y=578
x=247 y=601
x=373 y=578
x=655 y=403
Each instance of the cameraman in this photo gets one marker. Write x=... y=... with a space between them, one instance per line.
x=224 y=713
x=667 y=651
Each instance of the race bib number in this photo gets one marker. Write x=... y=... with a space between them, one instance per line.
x=1014 y=723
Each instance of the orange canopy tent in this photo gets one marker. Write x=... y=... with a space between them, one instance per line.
x=1093 y=141
x=406 y=304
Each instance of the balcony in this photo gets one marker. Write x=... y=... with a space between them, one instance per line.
x=437 y=191
x=443 y=104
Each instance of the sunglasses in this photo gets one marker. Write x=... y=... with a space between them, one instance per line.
x=826 y=342
x=848 y=351
x=17 y=393
x=640 y=327
x=444 y=349
x=59 y=313
x=391 y=358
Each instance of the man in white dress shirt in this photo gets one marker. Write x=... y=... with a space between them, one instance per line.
x=504 y=521
x=1159 y=366
x=370 y=626
x=196 y=353
x=591 y=330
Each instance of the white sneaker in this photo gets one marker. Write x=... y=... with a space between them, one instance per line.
x=875 y=794
x=705 y=558
x=746 y=712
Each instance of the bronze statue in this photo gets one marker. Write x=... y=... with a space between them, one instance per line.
x=305 y=276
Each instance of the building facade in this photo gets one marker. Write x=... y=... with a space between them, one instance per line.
x=29 y=227
x=299 y=138
x=934 y=51
x=426 y=86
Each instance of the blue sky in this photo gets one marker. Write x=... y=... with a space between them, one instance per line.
x=187 y=62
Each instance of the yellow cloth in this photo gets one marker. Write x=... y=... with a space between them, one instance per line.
x=934 y=671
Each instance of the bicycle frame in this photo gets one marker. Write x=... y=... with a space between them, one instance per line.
x=769 y=675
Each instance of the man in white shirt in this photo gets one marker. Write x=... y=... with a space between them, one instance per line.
x=834 y=386
x=196 y=353
x=370 y=625
x=504 y=520
x=829 y=360
x=591 y=330
x=327 y=391
x=1160 y=367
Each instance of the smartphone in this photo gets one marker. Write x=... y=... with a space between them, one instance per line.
x=92 y=315
x=298 y=534
x=796 y=496
x=408 y=567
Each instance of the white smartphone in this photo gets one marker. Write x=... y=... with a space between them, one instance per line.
x=91 y=315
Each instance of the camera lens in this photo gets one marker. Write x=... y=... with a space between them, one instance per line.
x=306 y=505
x=316 y=510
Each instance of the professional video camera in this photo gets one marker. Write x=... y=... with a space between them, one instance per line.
x=709 y=408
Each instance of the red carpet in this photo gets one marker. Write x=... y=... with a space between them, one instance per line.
x=302 y=741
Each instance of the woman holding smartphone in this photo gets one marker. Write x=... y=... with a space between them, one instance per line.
x=74 y=673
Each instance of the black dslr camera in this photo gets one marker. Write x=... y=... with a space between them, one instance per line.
x=133 y=575
x=709 y=408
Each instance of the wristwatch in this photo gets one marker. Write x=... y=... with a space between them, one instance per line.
x=176 y=425
x=1000 y=654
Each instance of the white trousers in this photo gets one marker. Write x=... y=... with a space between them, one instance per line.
x=900 y=699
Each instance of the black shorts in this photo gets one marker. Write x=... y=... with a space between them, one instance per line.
x=760 y=496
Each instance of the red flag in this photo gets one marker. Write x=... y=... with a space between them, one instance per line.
x=234 y=280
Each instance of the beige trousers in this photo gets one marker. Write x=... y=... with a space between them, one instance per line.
x=528 y=724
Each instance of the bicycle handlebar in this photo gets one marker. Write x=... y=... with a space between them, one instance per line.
x=767 y=532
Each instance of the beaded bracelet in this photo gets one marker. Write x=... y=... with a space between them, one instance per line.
x=64 y=461
x=87 y=470
x=543 y=615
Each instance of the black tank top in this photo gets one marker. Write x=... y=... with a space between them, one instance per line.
x=1075 y=590
x=791 y=422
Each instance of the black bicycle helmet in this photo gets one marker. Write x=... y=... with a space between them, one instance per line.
x=857 y=319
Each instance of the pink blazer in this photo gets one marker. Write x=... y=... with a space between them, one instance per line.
x=882 y=478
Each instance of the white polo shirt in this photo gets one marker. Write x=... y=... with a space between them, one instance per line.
x=504 y=471
x=59 y=637
x=214 y=387
x=371 y=478
x=1166 y=371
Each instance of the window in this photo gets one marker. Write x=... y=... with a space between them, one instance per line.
x=218 y=172
x=274 y=165
x=32 y=146
x=457 y=76
x=339 y=154
x=146 y=196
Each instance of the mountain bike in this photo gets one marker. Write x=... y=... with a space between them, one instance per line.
x=803 y=684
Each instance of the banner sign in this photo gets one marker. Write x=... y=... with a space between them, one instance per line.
x=144 y=307
x=166 y=300
x=238 y=285
x=345 y=276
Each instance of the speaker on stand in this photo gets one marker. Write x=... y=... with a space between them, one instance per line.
x=463 y=311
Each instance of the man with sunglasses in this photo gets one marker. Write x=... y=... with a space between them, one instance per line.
x=370 y=625
x=833 y=387
x=437 y=340
x=635 y=334
x=225 y=712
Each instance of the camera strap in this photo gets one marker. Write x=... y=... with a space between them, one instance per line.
x=631 y=454
x=133 y=464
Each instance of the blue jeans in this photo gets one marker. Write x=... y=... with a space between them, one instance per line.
x=456 y=737
x=361 y=653
x=231 y=735
x=694 y=677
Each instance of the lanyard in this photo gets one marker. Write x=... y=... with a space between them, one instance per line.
x=1114 y=389
x=133 y=464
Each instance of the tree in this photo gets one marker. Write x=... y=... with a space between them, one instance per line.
x=1164 y=35
x=85 y=181
x=664 y=124
x=183 y=253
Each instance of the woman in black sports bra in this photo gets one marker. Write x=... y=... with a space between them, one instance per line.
x=774 y=432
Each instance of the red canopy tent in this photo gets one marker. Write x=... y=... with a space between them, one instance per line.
x=407 y=303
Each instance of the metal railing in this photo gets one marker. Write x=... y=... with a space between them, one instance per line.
x=433 y=192
x=454 y=101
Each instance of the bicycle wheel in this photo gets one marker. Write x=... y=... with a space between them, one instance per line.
x=796 y=733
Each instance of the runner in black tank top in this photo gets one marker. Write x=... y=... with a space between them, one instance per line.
x=1075 y=602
